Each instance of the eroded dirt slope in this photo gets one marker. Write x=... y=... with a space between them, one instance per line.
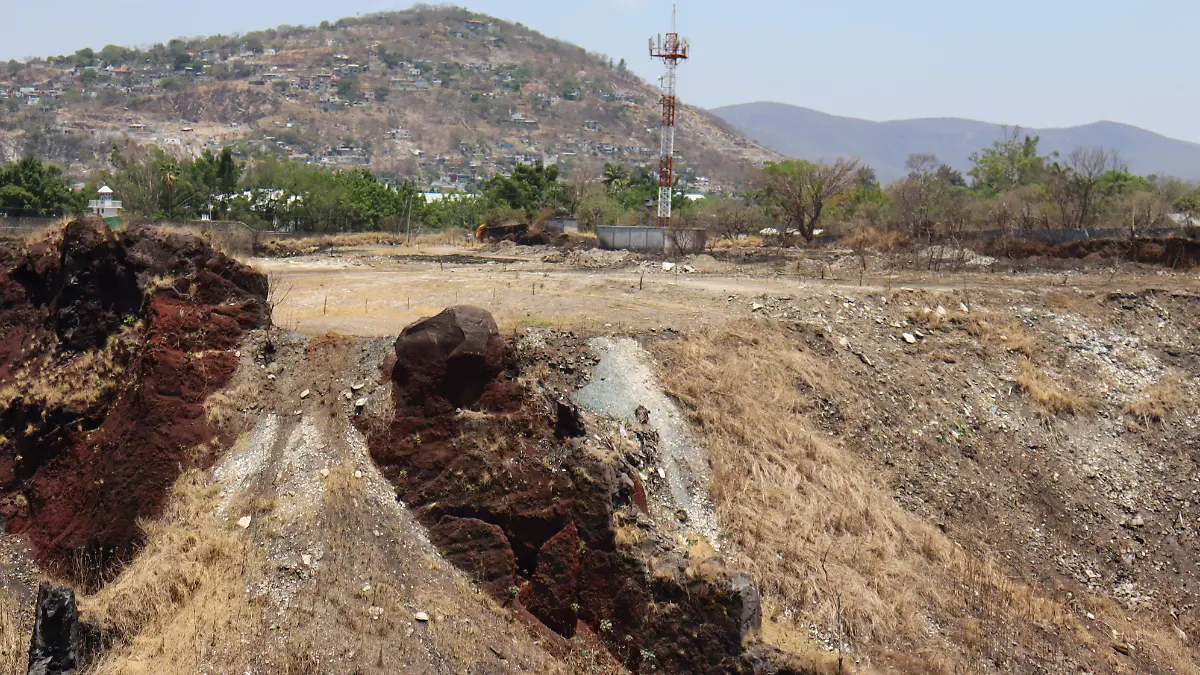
x=109 y=345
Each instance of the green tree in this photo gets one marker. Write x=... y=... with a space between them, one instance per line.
x=529 y=189
x=381 y=94
x=798 y=191
x=85 y=58
x=347 y=88
x=1009 y=164
x=30 y=188
x=114 y=55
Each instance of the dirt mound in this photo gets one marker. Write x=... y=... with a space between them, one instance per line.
x=1173 y=252
x=112 y=343
x=533 y=516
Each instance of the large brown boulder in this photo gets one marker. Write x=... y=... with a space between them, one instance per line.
x=449 y=358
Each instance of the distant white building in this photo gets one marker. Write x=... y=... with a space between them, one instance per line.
x=106 y=207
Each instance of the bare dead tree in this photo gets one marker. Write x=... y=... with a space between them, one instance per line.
x=277 y=293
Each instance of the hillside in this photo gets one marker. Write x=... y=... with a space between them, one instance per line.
x=802 y=132
x=441 y=95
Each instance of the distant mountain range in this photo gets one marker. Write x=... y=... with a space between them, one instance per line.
x=810 y=134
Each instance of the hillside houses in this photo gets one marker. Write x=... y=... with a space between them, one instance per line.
x=453 y=99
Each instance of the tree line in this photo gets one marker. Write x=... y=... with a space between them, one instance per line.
x=1010 y=186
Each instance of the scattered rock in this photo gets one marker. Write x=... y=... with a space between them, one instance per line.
x=306 y=560
x=910 y=338
x=324 y=473
x=361 y=403
x=244 y=522
x=421 y=616
x=305 y=393
x=668 y=266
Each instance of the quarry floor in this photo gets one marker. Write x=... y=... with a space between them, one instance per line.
x=376 y=291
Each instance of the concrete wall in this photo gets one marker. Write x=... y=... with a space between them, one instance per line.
x=684 y=241
x=620 y=238
x=674 y=241
x=560 y=226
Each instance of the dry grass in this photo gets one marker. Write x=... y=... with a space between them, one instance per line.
x=54 y=381
x=870 y=238
x=1048 y=395
x=14 y=635
x=183 y=601
x=227 y=406
x=819 y=531
x=991 y=329
x=1159 y=399
x=753 y=241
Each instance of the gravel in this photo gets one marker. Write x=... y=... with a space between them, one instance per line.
x=621 y=383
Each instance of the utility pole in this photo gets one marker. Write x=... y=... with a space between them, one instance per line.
x=408 y=217
x=671 y=50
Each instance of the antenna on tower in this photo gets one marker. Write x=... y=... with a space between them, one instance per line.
x=671 y=50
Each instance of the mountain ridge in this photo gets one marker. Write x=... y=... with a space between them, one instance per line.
x=796 y=131
x=441 y=95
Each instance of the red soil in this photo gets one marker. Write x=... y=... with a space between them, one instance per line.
x=76 y=480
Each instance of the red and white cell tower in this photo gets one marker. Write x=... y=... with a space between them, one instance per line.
x=672 y=49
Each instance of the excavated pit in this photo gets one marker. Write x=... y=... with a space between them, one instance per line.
x=109 y=345
x=531 y=514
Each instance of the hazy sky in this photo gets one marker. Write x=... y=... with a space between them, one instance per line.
x=1040 y=64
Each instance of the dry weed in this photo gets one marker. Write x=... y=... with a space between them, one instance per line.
x=878 y=240
x=753 y=241
x=1051 y=397
x=1159 y=400
x=991 y=329
x=182 y=602
x=14 y=635
x=55 y=381
x=812 y=523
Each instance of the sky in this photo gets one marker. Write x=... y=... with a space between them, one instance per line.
x=1043 y=63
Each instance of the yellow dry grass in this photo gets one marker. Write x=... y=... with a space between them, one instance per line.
x=991 y=329
x=1159 y=399
x=54 y=381
x=753 y=241
x=817 y=529
x=1048 y=395
x=14 y=635
x=182 y=603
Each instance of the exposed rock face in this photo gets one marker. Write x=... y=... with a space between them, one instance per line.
x=479 y=549
x=449 y=358
x=516 y=499
x=77 y=471
x=553 y=592
x=55 y=646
